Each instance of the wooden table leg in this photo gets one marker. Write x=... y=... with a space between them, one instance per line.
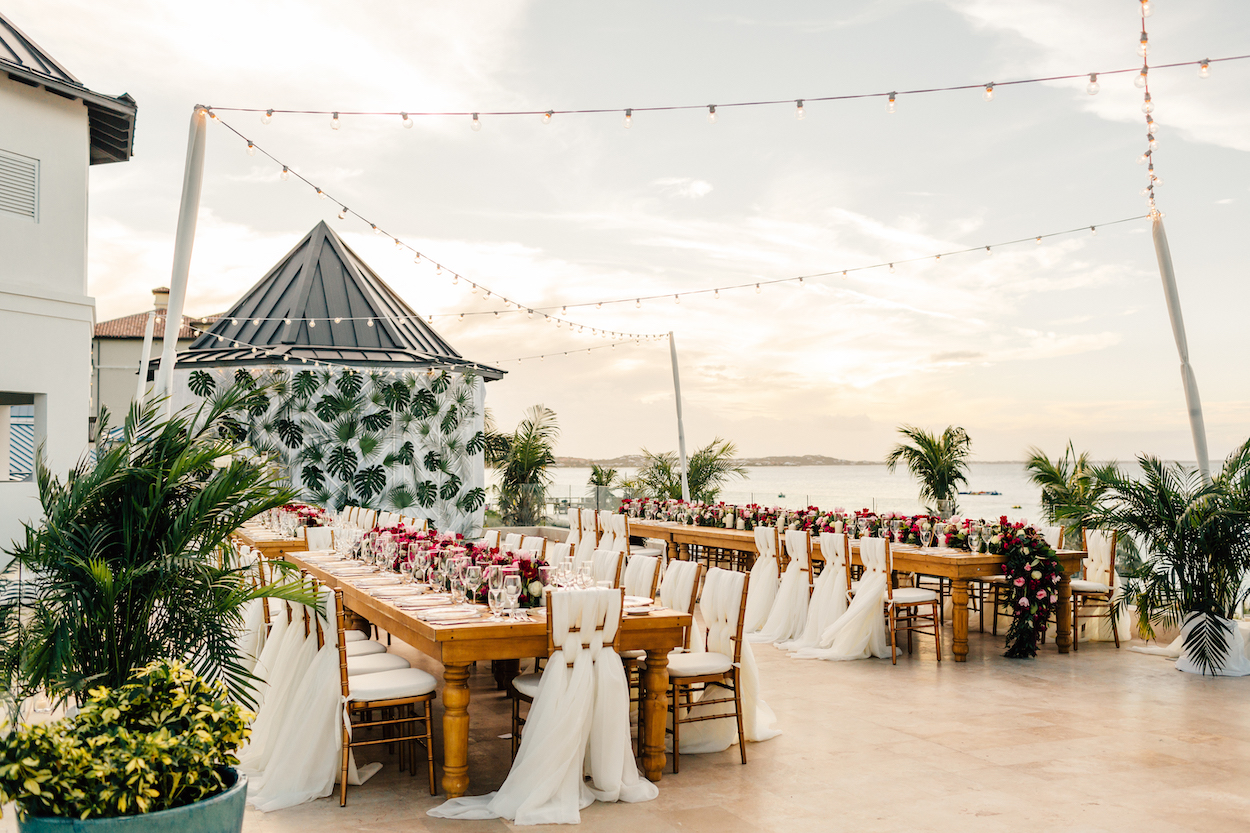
x=653 y=757
x=959 y=598
x=683 y=552
x=505 y=671
x=455 y=730
x=1064 y=637
x=672 y=550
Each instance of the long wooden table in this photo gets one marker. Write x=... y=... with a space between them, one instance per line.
x=459 y=646
x=269 y=543
x=957 y=565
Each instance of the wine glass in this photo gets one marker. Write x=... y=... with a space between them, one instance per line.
x=494 y=587
x=926 y=535
x=512 y=591
x=586 y=575
x=472 y=581
x=974 y=540
x=862 y=523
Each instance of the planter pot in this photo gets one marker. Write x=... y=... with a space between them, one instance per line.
x=223 y=813
x=1236 y=663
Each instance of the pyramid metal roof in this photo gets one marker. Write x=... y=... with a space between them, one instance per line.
x=296 y=305
x=111 y=118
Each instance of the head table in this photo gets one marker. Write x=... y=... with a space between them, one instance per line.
x=959 y=566
x=457 y=646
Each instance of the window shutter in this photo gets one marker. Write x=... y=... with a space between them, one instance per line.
x=19 y=185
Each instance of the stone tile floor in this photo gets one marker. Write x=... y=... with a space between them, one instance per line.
x=1097 y=740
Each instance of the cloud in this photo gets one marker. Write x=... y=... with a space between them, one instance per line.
x=683 y=187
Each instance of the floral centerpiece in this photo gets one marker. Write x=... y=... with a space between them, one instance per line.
x=1033 y=576
x=308 y=514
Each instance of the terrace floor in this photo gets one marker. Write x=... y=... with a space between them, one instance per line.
x=1097 y=740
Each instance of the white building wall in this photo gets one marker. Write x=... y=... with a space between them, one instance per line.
x=46 y=317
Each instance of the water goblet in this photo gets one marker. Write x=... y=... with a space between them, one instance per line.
x=974 y=540
x=472 y=581
x=926 y=536
x=512 y=591
x=494 y=599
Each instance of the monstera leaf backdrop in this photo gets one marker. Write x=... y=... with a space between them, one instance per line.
x=402 y=440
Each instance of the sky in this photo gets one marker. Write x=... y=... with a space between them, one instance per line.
x=1032 y=345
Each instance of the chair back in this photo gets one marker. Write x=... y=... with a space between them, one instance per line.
x=724 y=606
x=319 y=538
x=766 y=542
x=575 y=526
x=606 y=566
x=641 y=576
x=877 y=559
x=836 y=549
x=536 y=545
x=1099 y=563
x=559 y=553
x=512 y=542
x=368 y=518
x=799 y=547
x=583 y=619
x=679 y=590
x=491 y=539
x=1053 y=536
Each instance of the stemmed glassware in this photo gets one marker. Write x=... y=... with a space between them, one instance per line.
x=512 y=591
x=472 y=581
x=494 y=592
x=974 y=539
x=926 y=535
x=862 y=523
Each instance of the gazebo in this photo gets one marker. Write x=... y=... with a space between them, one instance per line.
x=359 y=400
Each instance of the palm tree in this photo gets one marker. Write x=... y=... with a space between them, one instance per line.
x=940 y=463
x=707 y=471
x=1197 y=536
x=602 y=476
x=522 y=459
x=123 y=570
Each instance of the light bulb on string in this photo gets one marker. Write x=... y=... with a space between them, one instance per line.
x=599 y=305
x=799 y=112
x=343 y=212
x=529 y=313
x=398 y=244
x=285 y=175
x=676 y=299
x=637 y=303
x=1143 y=46
x=988 y=95
x=891 y=268
x=266 y=117
x=1140 y=81
x=889 y=105
x=711 y=114
x=375 y=228
x=564 y=310
x=251 y=148
x=757 y=289
x=321 y=194
x=406 y=119
x=547 y=116
x=477 y=123
x=286 y=321
x=312 y=322
x=461 y=317
x=455 y=279
x=988 y=250
x=234 y=322
x=629 y=117
x=800 y=282
x=1204 y=68
x=1092 y=86
x=1144 y=158
x=338 y=320
x=716 y=294
x=1093 y=231
x=1146 y=8
x=334 y=122
x=1147 y=106
x=1038 y=241
x=255 y=322
x=1152 y=141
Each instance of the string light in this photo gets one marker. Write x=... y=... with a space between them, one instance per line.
x=1204 y=68
x=1143 y=47
x=312 y=322
x=1038 y=241
x=1093 y=230
x=343 y=212
x=338 y=321
x=267 y=117
x=255 y=322
x=321 y=194
x=676 y=299
x=757 y=289
x=251 y=149
x=988 y=95
x=711 y=114
x=477 y=123
x=1092 y=86
x=1146 y=9
x=799 y=112
x=286 y=174
x=889 y=105
x=1140 y=81
x=406 y=119
x=547 y=117
x=369 y=322
x=1147 y=105
x=629 y=117
x=375 y=228
x=891 y=268
x=334 y=122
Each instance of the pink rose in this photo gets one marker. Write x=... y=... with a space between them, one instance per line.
x=1024 y=602
x=1053 y=598
x=1041 y=594
x=1019 y=582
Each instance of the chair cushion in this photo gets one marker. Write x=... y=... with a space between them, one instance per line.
x=697 y=665
x=1080 y=585
x=914 y=595
x=1000 y=579
x=638 y=654
x=652 y=551
x=391 y=685
x=364 y=647
x=374 y=664
x=527 y=684
x=354 y=636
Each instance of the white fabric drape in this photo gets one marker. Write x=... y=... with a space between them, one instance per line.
x=676 y=590
x=828 y=595
x=765 y=574
x=1236 y=665
x=293 y=658
x=575 y=527
x=860 y=632
x=604 y=565
x=306 y=743
x=639 y=575
x=511 y=542
x=578 y=724
x=789 y=614
x=722 y=594
x=1100 y=567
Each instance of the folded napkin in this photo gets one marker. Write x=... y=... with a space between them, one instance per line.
x=450 y=614
x=638 y=601
x=403 y=590
x=380 y=581
x=348 y=572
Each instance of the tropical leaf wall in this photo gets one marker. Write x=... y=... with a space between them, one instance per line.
x=404 y=441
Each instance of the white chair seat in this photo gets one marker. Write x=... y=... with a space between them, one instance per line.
x=354 y=636
x=390 y=685
x=698 y=665
x=1080 y=585
x=527 y=684
x=375 y=664
x=914 y=595
x=364 y=648
x=654 y=552
x=993 y=579
x=636 y=654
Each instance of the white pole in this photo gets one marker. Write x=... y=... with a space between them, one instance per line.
x=145 y=358
x=1173 y=298
x=681 y=428
x=184 y=241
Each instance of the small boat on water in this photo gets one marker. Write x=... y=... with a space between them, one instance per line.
x=781 y=494
x=980 y=493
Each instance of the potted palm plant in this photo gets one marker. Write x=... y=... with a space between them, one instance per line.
x=1196 y=537
x=124 y=568
x=154 y=754
x=939 y=462
x=522 y=459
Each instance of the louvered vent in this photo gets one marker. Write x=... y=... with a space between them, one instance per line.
x=19 y=185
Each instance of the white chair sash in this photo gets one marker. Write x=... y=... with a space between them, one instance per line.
x=639 y=575
x=491 y=539
x=676 y=591
x=575 y=526
x=578 y=724
x=512 y=542
x=860 y=632
x=765 y=574
x=604 y=566
x=319 y=538
x=536 y=545
x=829 y=595
x=789 y=613
x=1100 y=567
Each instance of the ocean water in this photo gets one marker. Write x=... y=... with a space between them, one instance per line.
x=855 y=487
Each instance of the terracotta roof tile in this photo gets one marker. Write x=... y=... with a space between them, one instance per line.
x=133 y=326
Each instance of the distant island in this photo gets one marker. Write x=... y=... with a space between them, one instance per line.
x=633 y=461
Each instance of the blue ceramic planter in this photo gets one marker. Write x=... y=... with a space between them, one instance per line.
x=223 y=813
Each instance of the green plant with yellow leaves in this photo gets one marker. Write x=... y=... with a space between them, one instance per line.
x=162 y=740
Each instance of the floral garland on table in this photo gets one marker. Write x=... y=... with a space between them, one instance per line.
x=1033 y=576
x=308 y=514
